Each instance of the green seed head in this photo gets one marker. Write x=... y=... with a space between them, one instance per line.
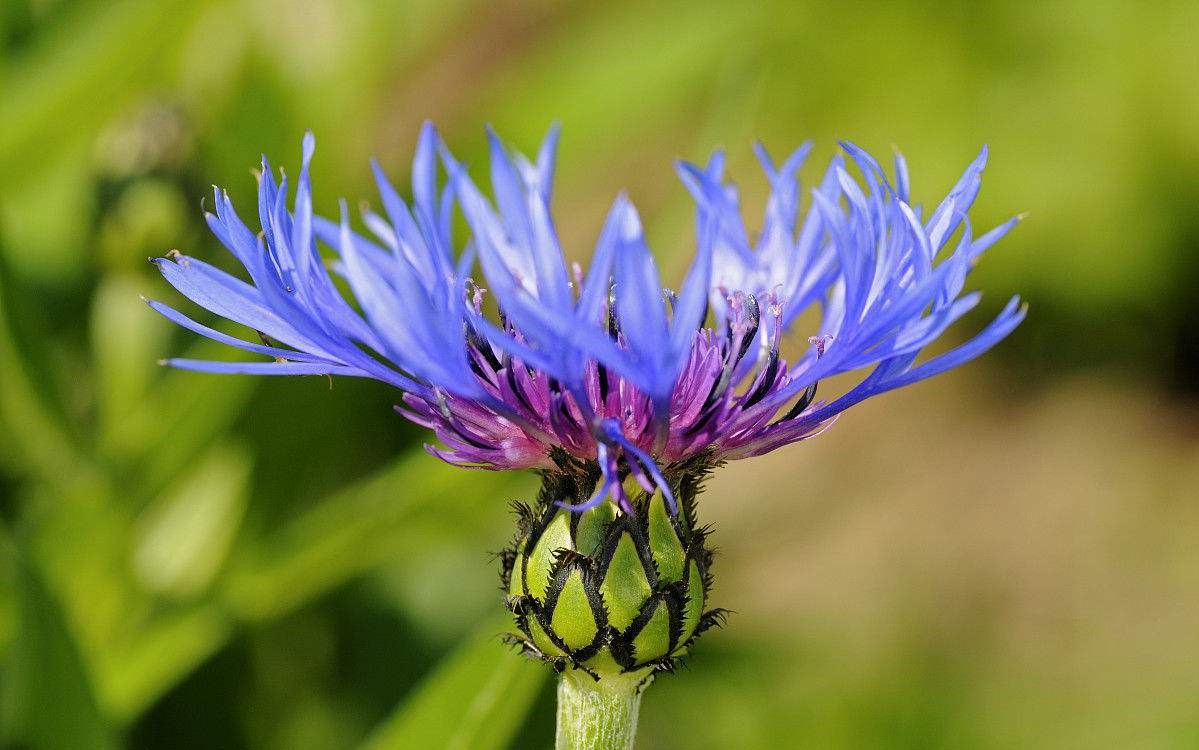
x=604 y=590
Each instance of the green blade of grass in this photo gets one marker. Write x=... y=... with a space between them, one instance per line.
x=49 y=702
x=476 y=699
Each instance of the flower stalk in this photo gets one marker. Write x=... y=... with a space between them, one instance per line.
x=599 y=714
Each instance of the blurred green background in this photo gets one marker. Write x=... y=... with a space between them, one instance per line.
x=1005 y=557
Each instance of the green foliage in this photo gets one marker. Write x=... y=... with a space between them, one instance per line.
x=475 y=699
x=49 y=702
x=72 y=81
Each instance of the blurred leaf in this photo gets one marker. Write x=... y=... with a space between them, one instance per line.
x=476 y=699
x=49 y=702
x=127 y=339
x=135 y=645
x=45 y=443
x=81 y=72
x=8 y=593
x=178 y=417
x=78 y=533
x=108 y=564
x=150 y=216
x=48 y=217
x=352 y=532
x=617 y=56
x=158 y=656
x=185 y=535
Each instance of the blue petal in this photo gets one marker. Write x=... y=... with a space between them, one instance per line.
x=409 y=325
x=593 y=299
x=639 y=303
x=179 y=318
x=693 y=299
x=509 y=192
x=903 y=185
x=424 y=170
x=553 y=283
x=546 y=158
x=218 y=292
x=263 y=368
x=951 y=210
x=998 y=329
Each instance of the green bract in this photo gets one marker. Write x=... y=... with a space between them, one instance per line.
x=604 y=590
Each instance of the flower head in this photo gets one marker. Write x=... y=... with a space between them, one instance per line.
x=605 y=368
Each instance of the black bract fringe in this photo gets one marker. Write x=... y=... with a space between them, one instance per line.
x=572 y=481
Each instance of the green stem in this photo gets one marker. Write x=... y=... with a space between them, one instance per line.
x=598 y=715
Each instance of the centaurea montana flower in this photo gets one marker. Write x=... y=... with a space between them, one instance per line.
x=608 y=366
x=601 y=380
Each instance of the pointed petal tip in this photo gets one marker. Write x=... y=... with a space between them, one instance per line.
x=980 y=161
x=716 y=162
x=684 y=167
x=630 y=221
x=850 y=147
x=426 y=142
x=454 y=169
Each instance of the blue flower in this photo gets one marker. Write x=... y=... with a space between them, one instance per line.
x=606 y=367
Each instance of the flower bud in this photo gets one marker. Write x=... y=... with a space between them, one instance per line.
x=605 y=590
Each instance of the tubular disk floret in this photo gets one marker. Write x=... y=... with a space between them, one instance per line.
x=605 y=590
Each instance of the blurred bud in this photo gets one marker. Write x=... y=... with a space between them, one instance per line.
x=149 y=215
x=185 y=535
x=156 y=136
